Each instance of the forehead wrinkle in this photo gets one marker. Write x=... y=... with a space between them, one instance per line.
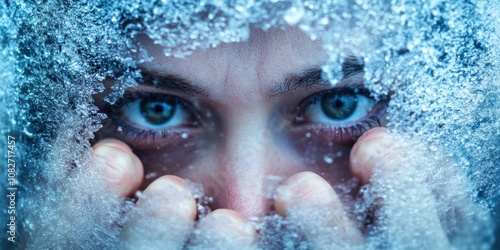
x=259 y=39
x=243 y=79
x=245 y=71
x=288 y=52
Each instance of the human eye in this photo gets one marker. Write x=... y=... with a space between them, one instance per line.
x=151 y=119
x=157 y=112
x=341 y=114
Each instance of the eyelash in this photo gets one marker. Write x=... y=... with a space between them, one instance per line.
x=145 y=138
x=344 y=133
x=348 y=132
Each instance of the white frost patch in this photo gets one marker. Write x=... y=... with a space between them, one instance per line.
x=438 y=59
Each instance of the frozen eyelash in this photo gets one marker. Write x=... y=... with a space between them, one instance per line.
x=141 y=136
x=341 y=133
x=357 y=90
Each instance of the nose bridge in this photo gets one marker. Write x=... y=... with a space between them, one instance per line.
x=247 y=139
x=245 y=159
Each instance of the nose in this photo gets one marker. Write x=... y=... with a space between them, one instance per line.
x=250 y=161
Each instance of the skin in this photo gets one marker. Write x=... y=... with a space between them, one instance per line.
x=233 y=168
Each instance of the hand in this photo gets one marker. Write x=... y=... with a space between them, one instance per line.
x=402 y=192
x=413 y=198
x=164 y=215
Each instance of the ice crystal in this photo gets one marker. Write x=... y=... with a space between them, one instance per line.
x=439 y=61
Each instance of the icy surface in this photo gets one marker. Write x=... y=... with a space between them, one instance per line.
x=444 y=56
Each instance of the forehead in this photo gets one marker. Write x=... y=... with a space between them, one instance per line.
x=256 y=65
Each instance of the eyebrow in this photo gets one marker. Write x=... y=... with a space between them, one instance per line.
x=313 y=77
x=306 y=80
x=352 y=65
x=169 y=83
x=309 y=79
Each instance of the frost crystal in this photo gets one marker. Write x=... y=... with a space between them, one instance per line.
x=439 y=61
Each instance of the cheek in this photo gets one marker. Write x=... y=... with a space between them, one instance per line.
x=323 y=154
x=198 y=159
x=195 y=159
x=171 y=159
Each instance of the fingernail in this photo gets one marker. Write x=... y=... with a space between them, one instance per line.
x=247 y=229
x=118 y=169
x=115 y=160
x=304 y=191
x=170 y=196
x=369 y=151
x=305 y=185
x=234 y=220
x=289 y=190
x=114 y=143
x=169 y=182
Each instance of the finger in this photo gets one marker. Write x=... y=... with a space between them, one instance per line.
x=396 y=172
x=374 y=145
x=310 y=202
x=224 y=229
x=163 y=216
x=123 y=170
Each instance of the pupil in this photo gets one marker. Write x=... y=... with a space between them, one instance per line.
x=158 y=112
x=158 y=109
x=339 y=105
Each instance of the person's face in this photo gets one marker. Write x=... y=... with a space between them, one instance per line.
x=236 y=117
